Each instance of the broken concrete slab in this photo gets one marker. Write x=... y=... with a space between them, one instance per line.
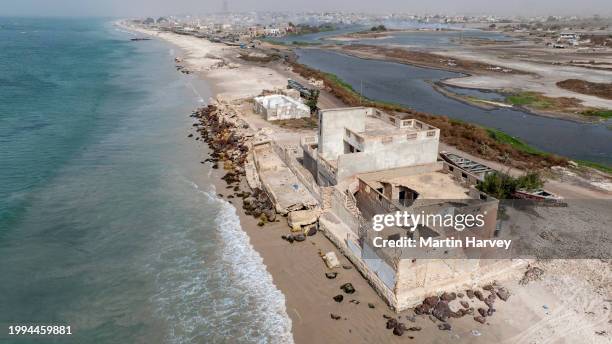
x=301 y=218
x=285 y=190
x=331 y=260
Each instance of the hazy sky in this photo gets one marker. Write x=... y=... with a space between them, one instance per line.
x=126 y=8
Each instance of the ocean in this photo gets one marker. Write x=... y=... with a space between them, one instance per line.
x=108 y=221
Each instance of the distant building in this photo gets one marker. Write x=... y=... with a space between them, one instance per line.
x=279 y=107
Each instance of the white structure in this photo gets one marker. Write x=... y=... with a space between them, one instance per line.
x=359 y=140
x=277 y=107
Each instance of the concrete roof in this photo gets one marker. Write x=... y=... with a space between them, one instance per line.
x=375 y=127
x=274 y=100
x=432 y=185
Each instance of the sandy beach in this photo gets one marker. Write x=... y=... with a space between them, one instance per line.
x=573 y=292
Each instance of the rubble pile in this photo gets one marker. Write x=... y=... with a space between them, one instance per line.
x=229 y=151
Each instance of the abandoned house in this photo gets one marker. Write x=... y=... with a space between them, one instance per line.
x=359 y=140
x=279 y=107
x=367 y=162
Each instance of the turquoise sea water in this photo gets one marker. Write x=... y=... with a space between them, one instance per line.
x=108 y=222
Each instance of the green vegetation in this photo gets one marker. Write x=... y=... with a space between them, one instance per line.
x=502 y=137
x=379 y=28
x=305 y=44
x=598 y=113
x=335 y=79
x=598 y=166
x=531 y=99
x=313 y=100
x=302 y=29
x=503 y=186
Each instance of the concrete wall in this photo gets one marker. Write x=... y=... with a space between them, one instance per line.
x=392 y=155
x=332 y=124
x=279 y=107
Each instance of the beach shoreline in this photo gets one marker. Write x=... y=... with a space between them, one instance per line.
x=297 y=269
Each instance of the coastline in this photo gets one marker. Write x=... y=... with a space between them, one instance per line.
x=297 y=269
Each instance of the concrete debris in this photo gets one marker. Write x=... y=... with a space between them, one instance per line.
x=331 y=260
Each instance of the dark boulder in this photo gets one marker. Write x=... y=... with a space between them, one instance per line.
x=399 y=329
x=503 y=294
x=348 y=288
x=441 y=311
x=391 y=323
x=481 y=320
x=338 y=298
x=331 y=275
x=431 y=301
x=444 y=327
x=448 y=296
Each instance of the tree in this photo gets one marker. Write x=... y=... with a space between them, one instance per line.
x=503 y=186
x=313 y=100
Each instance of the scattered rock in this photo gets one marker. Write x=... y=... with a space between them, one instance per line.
x=488 y=287
x=464 y=304
x=448 y=296
x=399 y=329
x=335 y=316
x=310 y=231
x=480 y=319
x=444 y=327
x=338 y=298
x=431 y=301
x=533 y=273
x=371 y=305
x=490 y=300
x=470 y=293
x=482 y=312
x=299 y=237
x=503 y=294
x=355 y=301
x=391 y=323
x=331 y=275
x=479 y=295
x=441 y=311
x=331 y=260
x=346 y=267
x=415 y=328
x=348 y=288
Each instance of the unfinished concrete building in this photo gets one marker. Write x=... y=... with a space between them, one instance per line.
x=280 y=107
x=358 y=140
x=367 y=162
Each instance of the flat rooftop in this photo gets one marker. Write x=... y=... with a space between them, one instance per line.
x=429 y=181
x=433 y=185
x=375 y=127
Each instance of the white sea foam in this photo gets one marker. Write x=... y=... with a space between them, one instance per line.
x=251 y=274
x=217 y=290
